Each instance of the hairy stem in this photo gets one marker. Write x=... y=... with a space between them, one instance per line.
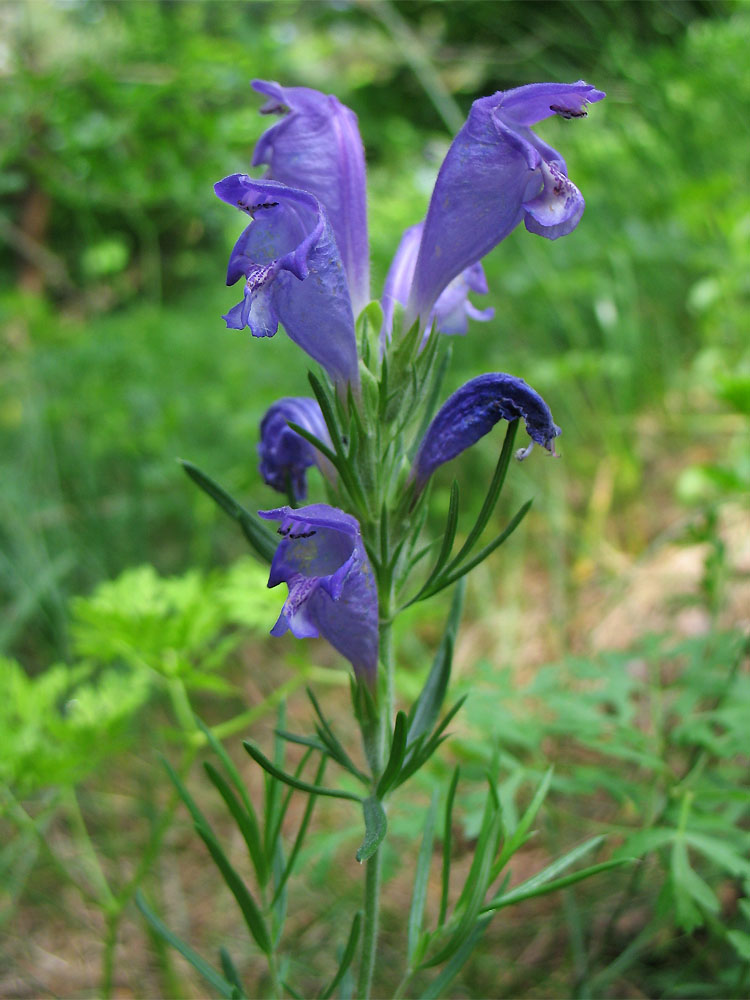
x=373 y=873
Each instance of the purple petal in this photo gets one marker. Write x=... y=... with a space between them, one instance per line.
x=492 y=176
x=452 y=310
x=284 y=454
x=473 y=410
x=293 y=274
x=332 y=590
x=317 y=147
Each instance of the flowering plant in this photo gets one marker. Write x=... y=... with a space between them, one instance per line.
x=376 y=432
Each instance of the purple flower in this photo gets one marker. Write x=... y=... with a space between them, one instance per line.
x=316 y=147
x=293 y=274
x=496 y=173
x=473 y=410
x=452 y=310
x=332 y=591
x=284 y=454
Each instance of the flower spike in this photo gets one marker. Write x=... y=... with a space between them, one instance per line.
x=472 y=411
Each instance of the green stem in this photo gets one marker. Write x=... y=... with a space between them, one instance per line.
x=374 y=864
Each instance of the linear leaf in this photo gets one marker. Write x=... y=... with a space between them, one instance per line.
x=288 y=779
x=556 y=868
x=518 y=837
x=495 y=487
x=230 y=971
x=449 y=535
x=260 y=538
x=300 y=834
x=250 y=910
x=475 y=897
x=396 y=757
x=450 y=577
x=335 y=746
x=245 y=822
x=346 y=959
x=519 y=893
x=211 y=976
x=426 y=708
x=447 y=846
x=421 y=877
x=376 y=825
x=439 y=985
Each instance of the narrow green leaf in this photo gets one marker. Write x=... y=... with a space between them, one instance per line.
x=449 y=535
x=376 y=825
x=323 y=448
x=275 y=830
x=518 y=837
x=261 y=540
x=441 y=983
x=519 y=893
x=303 y=786
x=493 y=493
x=303 y=741
x=426 y=708
x=335 y=746
x=245 y=822
x=479 y=880
x=396 y=757
x=489 y=834
x=298 y=840
x=450 y=577
x=421 y=877
x=230 y=972
x=431 y=403
x=346 y=959
x=250 y=910
x=425 y=751
x=447 y=846
x=556 y=867
x=187 y=798
x=212 y=977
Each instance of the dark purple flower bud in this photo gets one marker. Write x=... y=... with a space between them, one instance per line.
x=496 y=173
x=284 y=454
x=452 y=310
x=332 y=590
x=293 y=274
x=317 y=147
x=473 y=410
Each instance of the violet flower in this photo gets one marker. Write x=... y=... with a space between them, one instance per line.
x=316 y=147
x=284 y=454
x=473 y=410
x=496 y=173
x=452 y=311
x=332 y=590
x=293 y=274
